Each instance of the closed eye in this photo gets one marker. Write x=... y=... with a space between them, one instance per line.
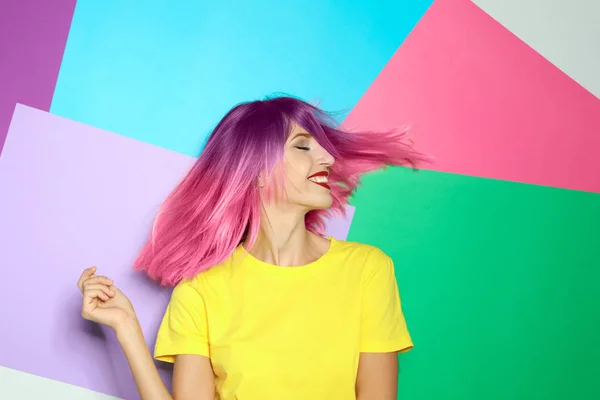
x=302 y=148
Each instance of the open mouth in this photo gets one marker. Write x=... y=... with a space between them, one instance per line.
x=320 y=178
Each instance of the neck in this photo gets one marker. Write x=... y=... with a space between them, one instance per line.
x=284 y=240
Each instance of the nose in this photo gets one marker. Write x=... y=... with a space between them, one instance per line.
x=324 y=158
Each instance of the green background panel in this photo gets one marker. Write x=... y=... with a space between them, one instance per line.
x=500 y=283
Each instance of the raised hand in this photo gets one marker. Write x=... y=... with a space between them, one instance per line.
x=103 y=302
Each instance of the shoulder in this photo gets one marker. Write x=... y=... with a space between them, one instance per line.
x=370 y=252
x=204 y=280
x=186 y=291
x=371 y=258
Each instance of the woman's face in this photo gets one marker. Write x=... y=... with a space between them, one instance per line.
x=306 y=170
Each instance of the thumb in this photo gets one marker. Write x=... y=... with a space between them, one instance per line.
x=100 y=315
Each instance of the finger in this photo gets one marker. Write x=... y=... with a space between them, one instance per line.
x=97 y=280
x=87 y=273
x=92 y=294
x=115 y=289
x=99 y=286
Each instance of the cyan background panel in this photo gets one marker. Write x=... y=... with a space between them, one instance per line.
x=166 y=72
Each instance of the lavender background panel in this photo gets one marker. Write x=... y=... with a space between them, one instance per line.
x=75 y=196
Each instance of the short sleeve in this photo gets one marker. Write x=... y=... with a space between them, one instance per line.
x=183 y=329
x=383 y=326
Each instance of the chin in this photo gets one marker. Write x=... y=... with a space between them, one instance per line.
x=321 y=205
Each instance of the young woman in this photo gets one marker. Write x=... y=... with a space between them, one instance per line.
x=265 y=306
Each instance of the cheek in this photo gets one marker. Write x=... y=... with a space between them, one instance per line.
x=296 y=173
x=297 y=182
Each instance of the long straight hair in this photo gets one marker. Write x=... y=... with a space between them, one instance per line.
x=217 y=204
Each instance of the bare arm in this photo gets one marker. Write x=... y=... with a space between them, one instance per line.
x=193 y=378
x=104 y=303
x=377 y=376
x=149 y=384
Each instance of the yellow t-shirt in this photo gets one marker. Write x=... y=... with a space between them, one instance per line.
x=288 y=333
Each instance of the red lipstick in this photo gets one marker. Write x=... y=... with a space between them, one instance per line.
x=320 y=173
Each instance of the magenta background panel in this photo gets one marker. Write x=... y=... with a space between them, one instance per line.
x=33 y=34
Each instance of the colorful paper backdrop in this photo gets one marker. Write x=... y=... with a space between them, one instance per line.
x=106 y=105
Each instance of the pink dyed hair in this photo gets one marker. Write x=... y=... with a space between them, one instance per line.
x=217 y=205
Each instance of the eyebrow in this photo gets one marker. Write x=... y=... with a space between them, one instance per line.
x=306 y=135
